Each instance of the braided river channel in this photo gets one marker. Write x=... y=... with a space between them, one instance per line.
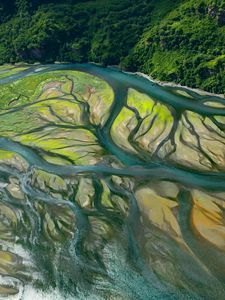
x=112 y=186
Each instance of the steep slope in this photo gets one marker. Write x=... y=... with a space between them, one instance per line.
x=187 y=46
x=181 y=41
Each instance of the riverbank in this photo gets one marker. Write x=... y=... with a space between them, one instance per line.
x=91 y=159
x=149 y=77
x=177 y=85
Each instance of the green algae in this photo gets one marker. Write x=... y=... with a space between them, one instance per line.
x=67 y=220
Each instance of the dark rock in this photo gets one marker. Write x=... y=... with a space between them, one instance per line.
x=212 y=11
x=221 y=18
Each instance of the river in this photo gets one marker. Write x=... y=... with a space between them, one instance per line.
x=124 y=202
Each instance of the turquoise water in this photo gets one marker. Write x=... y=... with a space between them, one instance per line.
x=117 y=266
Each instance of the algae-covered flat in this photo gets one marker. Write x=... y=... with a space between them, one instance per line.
x=110 y=186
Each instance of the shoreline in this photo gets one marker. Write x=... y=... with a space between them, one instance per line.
x=173 y=84
x=148 y=77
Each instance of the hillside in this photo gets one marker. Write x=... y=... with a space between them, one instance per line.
x=173 y=40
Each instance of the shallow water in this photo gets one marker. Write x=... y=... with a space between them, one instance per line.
x=111 y=186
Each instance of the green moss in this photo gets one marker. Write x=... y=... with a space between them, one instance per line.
x=142 y=102
x=79 y=145
x=106 y=195
x=145 y=106
x=29 y=88
x=12 y=71
x=120 y=129
x=6 y=154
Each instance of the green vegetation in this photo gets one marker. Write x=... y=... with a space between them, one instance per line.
x=187 y=46
x=172 y=40
x=57 y=106
x=128 y=172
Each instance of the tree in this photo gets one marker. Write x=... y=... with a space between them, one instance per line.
x=22 y=7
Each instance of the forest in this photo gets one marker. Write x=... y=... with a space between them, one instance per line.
x=181 y=41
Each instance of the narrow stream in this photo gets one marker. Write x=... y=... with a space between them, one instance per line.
x=83 y=226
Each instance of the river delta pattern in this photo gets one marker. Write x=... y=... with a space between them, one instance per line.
x=111 y=186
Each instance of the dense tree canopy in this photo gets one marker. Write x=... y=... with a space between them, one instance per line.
x=182 y=41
